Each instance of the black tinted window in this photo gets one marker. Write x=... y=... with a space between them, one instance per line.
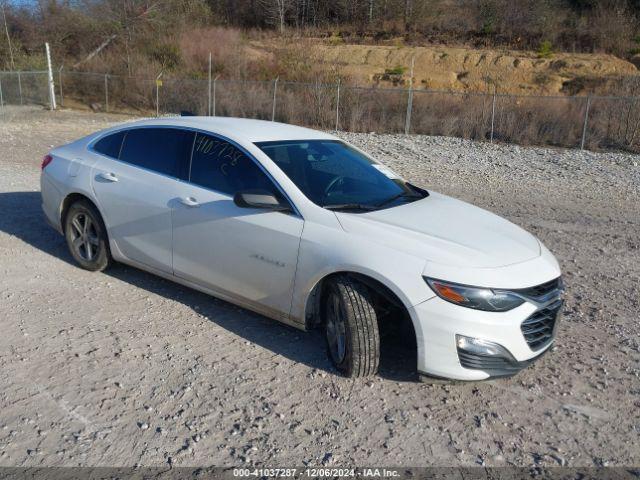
x=110 y=145
x=220 y=166
x=163 y=150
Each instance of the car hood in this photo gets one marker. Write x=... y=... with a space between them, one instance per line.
x=444 y=230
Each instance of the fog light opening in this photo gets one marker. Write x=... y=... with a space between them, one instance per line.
x=482 y=347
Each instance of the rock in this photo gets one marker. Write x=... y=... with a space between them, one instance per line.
x=559 y=459
x=327 y=459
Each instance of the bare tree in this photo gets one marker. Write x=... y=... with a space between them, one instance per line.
x=6 y=29
x=276 y=11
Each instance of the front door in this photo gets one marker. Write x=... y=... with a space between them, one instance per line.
x=245 y=254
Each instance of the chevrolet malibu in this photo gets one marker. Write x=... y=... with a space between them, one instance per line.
x=304 y=228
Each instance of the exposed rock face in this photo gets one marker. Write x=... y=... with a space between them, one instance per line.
x=465 y=69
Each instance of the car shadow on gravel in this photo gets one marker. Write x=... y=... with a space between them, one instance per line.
x=21 y=216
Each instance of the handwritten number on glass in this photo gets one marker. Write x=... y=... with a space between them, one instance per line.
x=225 y=154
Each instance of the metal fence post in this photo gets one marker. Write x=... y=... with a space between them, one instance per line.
x=209 y=102
x=20 y=88
x=60 y=85
x=106 y=93
x=493 y=112
x=158 y=83
x=275 y=89
x=52 y=94
x=338 y=106
x=586 y=121
x=214 y=94
x=407 y=122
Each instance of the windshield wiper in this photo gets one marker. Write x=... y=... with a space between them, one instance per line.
x=399 y=195
x=349 y=206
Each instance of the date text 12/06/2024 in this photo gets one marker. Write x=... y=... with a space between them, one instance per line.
x=316 y=472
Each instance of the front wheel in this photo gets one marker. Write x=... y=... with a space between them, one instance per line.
x=86 y=236
x=351 y=328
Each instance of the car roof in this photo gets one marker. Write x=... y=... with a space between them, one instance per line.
x=237 y=128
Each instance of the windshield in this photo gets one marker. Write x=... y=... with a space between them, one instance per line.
x=334 y=175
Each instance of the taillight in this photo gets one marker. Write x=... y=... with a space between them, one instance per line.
x=46 y=160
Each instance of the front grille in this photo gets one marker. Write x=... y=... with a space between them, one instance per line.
x=541 y=290
x=538 y=328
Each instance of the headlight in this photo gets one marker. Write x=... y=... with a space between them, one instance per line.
x=487 y=299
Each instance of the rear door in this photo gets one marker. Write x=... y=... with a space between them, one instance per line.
x=135 y=189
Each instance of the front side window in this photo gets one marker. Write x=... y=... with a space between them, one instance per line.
x=334 y=175
x=110 y=145
x=221 y=166
x=163 y=150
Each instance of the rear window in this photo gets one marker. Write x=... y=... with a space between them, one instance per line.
x=110 y=145
x=164 y=150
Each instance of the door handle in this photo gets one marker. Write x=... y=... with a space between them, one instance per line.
x=189 y=202
x=109 y=177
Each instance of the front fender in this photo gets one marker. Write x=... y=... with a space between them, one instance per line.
x=325 y=251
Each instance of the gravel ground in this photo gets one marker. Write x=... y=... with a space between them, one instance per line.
x=122 y=368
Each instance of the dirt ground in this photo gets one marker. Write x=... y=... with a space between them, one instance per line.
x=123 y=368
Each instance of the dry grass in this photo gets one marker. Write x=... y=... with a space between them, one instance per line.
x=225 y=45
x=614 y=123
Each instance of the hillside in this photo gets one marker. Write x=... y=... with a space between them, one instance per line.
x=467 y=69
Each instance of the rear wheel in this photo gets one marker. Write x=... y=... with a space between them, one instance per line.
x=87 y=237
x=351 y=327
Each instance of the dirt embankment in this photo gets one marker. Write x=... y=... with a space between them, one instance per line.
x=470 y=70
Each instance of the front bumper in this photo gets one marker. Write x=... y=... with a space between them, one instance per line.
x=437 y=323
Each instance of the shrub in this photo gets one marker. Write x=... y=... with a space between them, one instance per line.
x=545 y=50
x=397 y=70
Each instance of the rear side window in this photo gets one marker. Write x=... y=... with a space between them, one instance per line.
x=220 y=166
x=164 y=150
x=110 y=145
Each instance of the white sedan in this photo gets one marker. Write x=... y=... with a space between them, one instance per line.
x=304 y=228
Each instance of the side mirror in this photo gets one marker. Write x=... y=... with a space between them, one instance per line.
x=260 y=199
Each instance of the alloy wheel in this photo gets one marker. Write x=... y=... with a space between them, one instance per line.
x=336 y=329
x=84 y=237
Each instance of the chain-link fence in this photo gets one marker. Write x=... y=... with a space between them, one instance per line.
x=23 y=88
x=594 y=122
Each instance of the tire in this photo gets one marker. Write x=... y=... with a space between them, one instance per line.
x=88 y=243
x=348 y=313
